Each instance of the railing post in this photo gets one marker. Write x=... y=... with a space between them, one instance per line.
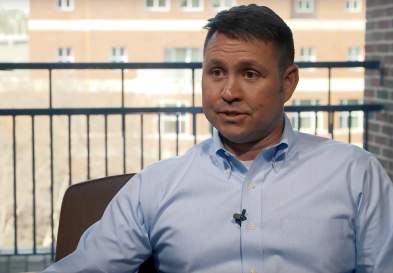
x=193 y=105
x=15 y=207
x=123 y=122
x=106 y=143
x=69 y=150
x=193 y=86
x=349 y=126
x=177 y=134
x=159 y=136
x=330 y=114
x=88 y=145
x=34 y=184
x=52 y=224
x=142 y=142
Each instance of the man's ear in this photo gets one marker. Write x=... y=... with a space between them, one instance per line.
x=290 y=79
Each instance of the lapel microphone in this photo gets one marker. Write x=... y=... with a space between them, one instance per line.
x=239 y=218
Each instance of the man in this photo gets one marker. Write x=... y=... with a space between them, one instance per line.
x=257 y=197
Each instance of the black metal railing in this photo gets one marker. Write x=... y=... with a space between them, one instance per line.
x=147 y=120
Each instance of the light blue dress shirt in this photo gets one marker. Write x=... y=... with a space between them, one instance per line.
x=312 y=205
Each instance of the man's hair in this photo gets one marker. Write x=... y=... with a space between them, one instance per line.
x=254 y=22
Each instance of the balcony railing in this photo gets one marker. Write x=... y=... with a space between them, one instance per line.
x=46 y=149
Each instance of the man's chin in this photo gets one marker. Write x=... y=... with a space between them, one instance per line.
x=236 y=138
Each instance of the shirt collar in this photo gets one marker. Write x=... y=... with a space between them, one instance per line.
x=275 y=152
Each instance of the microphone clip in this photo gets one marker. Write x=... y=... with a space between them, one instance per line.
x=239 y=218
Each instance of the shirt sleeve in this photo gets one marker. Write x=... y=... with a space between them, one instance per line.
x=119 y=242
x=374 y=222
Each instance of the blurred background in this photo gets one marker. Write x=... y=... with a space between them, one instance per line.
x=96 y=88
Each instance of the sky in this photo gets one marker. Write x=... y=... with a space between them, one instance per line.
x=15 y=4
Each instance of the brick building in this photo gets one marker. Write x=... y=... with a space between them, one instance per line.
x=379 y=86
x=171 y=30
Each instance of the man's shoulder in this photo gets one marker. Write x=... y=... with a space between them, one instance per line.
x=177 y=164
x=308 y=143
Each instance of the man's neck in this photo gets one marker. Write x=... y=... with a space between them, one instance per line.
x=250 y=150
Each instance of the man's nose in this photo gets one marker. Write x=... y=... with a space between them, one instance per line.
x=231 y=90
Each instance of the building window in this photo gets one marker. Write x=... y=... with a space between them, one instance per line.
x=65 y=5
x=157 y=5
x=306 y=54
x=119 y=55
x=186 y=55
x=191 y=5
x=353 y=5
x=354 y=54
x=304 y=6
x=223 y=4
x=64 y=55
x=181 y=55
x=305 y=121
x=356 y=116
x=170 y=122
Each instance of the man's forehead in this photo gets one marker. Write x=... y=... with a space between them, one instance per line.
x=218 y=61
x=222 y=43
x=230 y=38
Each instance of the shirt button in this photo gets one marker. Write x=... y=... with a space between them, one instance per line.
x=252 y=185
x=251 y=227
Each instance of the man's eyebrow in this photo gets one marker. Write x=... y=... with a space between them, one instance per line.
x=214 y=61
x=242 y=64
x=253 y=63
x=250 y=62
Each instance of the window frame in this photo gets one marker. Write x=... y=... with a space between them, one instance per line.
x=65 y=58
x=352 y=58
x=117 y=58
x=189 y=7
x=294 y=117
x=349 y=6
x=188 y=54
x=184 y=121
x=303 y=10
x=157 y=7
x=309 y=57
x=343 y=116
x=65 y=5
x=222 y=5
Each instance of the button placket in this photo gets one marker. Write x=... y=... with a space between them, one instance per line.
x=250 y=232
x=252 y=185
x=251 y=201
x=251 y=227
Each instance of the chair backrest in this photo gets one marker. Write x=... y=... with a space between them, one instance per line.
x=83 y=204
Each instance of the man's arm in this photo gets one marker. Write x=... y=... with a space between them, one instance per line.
x=117 y=243
x=374 y=222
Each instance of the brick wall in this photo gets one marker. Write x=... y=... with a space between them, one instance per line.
x=379 y=85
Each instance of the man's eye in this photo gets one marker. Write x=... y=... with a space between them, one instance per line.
x=251 y=74
x=217 y=72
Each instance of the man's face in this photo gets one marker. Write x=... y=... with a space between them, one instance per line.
x=243 y=91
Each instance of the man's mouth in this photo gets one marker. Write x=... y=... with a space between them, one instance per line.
x=231 y=113
x=231 y=116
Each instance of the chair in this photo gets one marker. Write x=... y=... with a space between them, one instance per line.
x=83 y=204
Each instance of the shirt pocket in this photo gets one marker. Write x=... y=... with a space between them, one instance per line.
x=327 y=243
